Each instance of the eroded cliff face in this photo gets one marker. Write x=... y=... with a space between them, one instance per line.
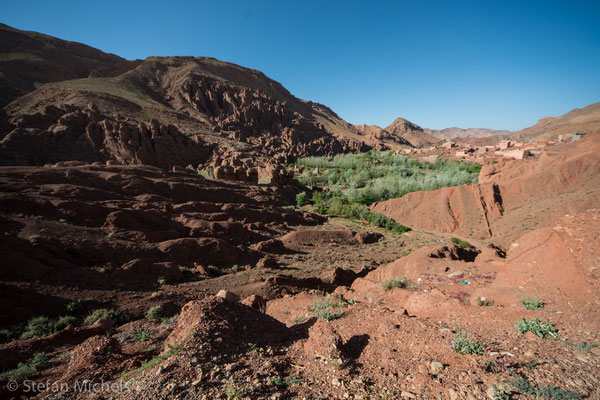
x=284 y=128
x=196 y=100
x=70 y=133
x=510 y=199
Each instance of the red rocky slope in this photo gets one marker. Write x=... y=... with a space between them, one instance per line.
x=511 y=197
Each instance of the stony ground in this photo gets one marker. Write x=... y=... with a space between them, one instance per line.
x=337 y=309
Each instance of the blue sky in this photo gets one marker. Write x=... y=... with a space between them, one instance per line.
x=493 y=64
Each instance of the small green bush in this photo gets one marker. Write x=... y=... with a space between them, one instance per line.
x=25 y=370
x=64 y=321
x=581 y=345
x=397 y=282
x=541 y=328
x=96 y=314
x=38 y=326
x=44 y=326
x=206 y=174
x=532 y=303
x=157 y=313
x=501 y=393
x=285 y=382
x=78 y=305
x=301 y=199
x=300 y=319
x=463 y=344
x=521 y=385
x=461 y=243
x=142 y=335
x=8 y=334
x=339 y=206
x=485 y=303
x=12 y=332
x=328 y=309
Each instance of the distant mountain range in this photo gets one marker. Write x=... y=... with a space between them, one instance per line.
x=585 y=119
x=459 y=133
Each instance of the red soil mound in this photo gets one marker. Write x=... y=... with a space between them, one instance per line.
x=558 y=262
x=316 y=237
x=212 y=332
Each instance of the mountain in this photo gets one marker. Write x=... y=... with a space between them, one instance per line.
x=161 y=111
x=410 y=132
x=401 y=131
x=30 y=59
x=470 y=133
x=585 y=119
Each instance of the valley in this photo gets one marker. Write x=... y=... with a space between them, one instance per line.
x=187 y=228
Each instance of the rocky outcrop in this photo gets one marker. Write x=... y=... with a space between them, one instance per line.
x=98 y=224
x=204 y=98
x=253 y=116
x=71 y=133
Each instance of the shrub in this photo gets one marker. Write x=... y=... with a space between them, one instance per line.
x=301 y=199
x=25 y=370
x=339 y=206
x=532 y=303
x=44 y=326
x=157 y=313
x=78 y=305
x=328 y=309
x=541 y=328
x=173 y=351
x=208 y=174
x=485 y=303
x=38 y=326
x=463 y=344
x=142 y=335
x=300 y=319
x=581 y=345
x=9 y=333
x=501 y=393
x=285 y=382
x=545 y=392
x=64 y=321
x=462 y=243
x=397 y=282
x=96 y=314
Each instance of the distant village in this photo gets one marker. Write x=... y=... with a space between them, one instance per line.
x=506 y=149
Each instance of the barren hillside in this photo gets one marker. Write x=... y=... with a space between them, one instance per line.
x=584 y=120
x=30 y=59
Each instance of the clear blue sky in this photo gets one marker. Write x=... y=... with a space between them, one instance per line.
x=497 y=64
